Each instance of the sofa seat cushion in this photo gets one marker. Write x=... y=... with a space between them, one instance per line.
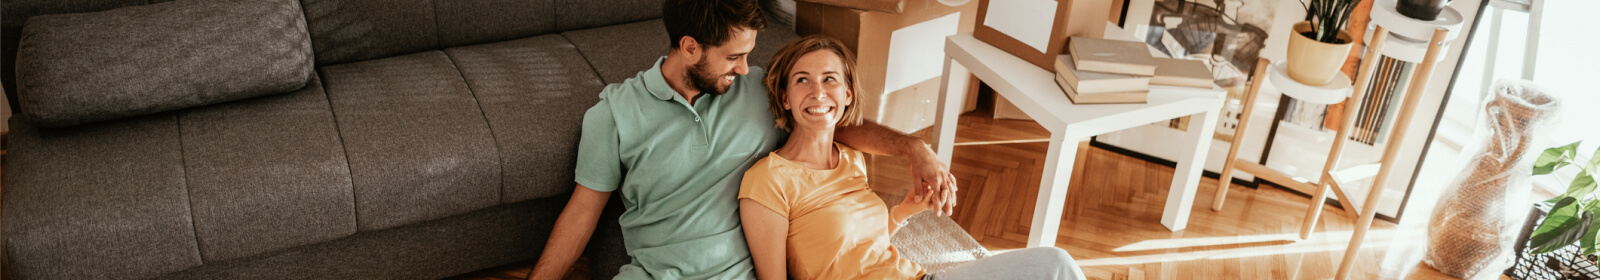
x=437 y=249
x=98 y=201
x=619 y=52
x=534 y=93
x=80 y=68
x=418 y=145
x=266 y=174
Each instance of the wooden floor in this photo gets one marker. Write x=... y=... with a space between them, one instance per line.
x=1111 y=225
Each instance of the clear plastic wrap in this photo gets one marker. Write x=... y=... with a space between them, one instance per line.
x=1471 y=230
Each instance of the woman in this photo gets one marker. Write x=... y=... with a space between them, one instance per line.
x=806 y=208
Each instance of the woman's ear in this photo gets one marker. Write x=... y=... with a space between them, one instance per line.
x=849 y=95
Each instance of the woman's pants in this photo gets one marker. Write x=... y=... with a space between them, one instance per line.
x=1024 y=264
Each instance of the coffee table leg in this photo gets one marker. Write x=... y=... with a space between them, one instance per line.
x=1053 y=189
x=951 y=93
x=1187 y=173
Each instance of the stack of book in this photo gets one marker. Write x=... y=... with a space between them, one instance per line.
x=1097 y=71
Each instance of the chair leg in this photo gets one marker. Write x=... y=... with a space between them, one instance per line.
x=1226 y=174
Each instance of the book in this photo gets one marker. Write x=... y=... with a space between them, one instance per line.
x=1097 y=82
x=1182 y=72
x=1111 y=56
x=1100 y=98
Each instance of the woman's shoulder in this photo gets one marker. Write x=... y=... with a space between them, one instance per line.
x=766 y=178
x=765 y=170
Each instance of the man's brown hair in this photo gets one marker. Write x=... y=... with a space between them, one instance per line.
x=777 y=80
x=710 y=22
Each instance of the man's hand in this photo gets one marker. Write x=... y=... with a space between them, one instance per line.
x=928 y=173
x=932 y=177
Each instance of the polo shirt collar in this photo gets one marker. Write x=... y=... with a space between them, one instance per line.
x=657 y=84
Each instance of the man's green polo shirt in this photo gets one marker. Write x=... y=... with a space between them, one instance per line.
x=678 y=168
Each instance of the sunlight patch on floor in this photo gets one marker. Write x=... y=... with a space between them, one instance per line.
x=1319 y=242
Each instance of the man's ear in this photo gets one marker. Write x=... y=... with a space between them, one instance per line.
x=689 y=46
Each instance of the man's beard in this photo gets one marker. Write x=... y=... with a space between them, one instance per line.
x=706 y=82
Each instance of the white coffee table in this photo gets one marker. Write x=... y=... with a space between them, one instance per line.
x=1034 y=90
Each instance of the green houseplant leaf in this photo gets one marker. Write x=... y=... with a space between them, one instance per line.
x=1328 y=17
x=1555 y=157
x=1575 y=215
x=1582 y=185
x=1589 y=241
x=1564 y=225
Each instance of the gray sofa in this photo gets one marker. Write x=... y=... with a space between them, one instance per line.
x=434 y=138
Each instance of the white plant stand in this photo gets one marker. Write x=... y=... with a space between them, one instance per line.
x=1333 y=92
x=1426 y=54
x=1391 y=23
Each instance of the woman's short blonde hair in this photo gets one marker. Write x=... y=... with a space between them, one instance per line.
x=777 y=80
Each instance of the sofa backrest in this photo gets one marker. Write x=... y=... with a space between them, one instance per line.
x=355 y=30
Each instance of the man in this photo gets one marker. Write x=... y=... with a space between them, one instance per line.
x=676 y=140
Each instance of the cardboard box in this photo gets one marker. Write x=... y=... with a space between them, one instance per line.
x=885 y=6
x=899 y=57
x=1006 y=111
x=1044 y=26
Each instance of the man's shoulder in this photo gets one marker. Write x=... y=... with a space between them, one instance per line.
x=630 y=89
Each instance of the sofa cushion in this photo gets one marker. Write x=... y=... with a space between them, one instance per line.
x=355 y=30
x=15 y=12
x=534 y=93
x=619 y=52
x=435 y=249
x=582 y=14
x=99 y=201
x=265 y=174
x=79 y=68
x=418 y=146
x=465 y=22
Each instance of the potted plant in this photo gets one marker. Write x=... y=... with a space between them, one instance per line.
x=1572 y=220
x=1320 y=44
x=1421 y=9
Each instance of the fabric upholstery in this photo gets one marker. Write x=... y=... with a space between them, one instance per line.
x=13 y=13
x=582 y=14
x=465 y=22
x=171 y=55
x=355 y=30
x=265 y=174
x=619 y=52
x=418 y=146
x=449 y=158
x=431 y=250
x=98 y=201
x=534 y=93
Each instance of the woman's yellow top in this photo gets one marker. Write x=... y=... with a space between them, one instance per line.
x=838 y=229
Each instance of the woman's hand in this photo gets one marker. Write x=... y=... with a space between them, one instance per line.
x=931 y=176
x=915 y=202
